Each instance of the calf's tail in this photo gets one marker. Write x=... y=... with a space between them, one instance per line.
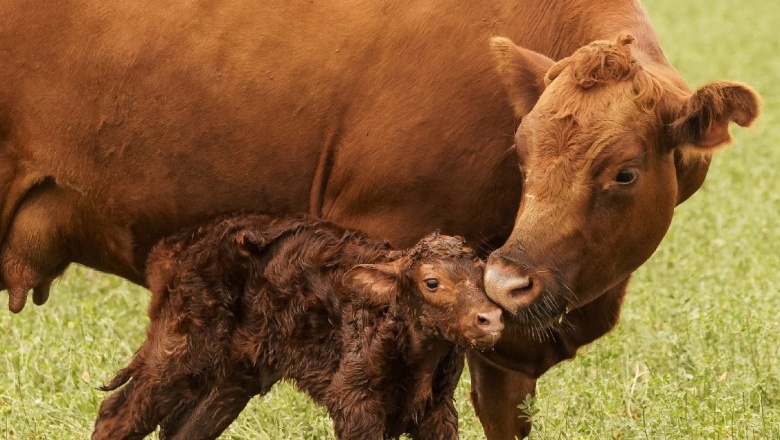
x=120 y=379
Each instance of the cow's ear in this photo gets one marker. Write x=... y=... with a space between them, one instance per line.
x=375 y=284
x=703 y=121
x=522 y=72
x=691 y=171
x=701 y=125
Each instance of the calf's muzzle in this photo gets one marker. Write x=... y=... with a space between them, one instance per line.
x=492 y=321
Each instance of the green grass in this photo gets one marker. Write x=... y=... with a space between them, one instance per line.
x=694 y=357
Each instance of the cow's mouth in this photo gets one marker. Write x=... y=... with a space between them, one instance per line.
x=535 y=298
x=543 y=314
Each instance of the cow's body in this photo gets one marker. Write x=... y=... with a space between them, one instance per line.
x=388 y=118
x=162 y=116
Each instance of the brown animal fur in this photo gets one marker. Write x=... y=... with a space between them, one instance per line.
x=250 y=299
x=50 y=223
x=579 y=137
x=592 y=160
x=386 y=117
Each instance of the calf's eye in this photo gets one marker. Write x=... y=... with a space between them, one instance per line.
x=626 y=176
x=431 y=284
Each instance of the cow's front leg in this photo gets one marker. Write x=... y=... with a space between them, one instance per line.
x=497 y=394
x=501 y=379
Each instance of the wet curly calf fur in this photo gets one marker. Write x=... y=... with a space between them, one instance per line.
x=374 y=334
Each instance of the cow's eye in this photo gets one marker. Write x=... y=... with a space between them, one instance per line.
x=431 y=284
x=626 y=176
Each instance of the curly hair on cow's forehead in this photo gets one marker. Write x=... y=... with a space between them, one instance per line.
x=599 y=62
x=581 y=80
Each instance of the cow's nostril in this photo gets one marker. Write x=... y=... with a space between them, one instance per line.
x=506 y=281
x=511 y=287
x=525 y=285
x=483 y=320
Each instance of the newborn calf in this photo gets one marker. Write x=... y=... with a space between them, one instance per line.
x=373 y=334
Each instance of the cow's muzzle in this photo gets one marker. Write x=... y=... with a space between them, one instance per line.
x=510 y=286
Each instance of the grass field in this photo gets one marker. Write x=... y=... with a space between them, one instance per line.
x=694 y=357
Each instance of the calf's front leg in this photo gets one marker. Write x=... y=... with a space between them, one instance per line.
x=440 y=423
x=356 y=413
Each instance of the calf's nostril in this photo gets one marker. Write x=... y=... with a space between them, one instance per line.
x=491 y=321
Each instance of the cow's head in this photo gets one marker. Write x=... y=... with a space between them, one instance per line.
x=608 y=145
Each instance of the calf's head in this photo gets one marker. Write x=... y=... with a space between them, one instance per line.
x=609 y=143
x=439 y=281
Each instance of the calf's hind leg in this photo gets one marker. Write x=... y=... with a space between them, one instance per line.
x=134 y=411
x=209 y=416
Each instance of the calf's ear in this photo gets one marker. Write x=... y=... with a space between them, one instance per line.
x=254 y=235
x=161 y=269
x=522 y=71
x=701 y=125
x=249 y=242
x=375 y=284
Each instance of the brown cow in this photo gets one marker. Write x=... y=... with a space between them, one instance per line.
x=246 y=300
x=596 y=139
x=386 y=117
